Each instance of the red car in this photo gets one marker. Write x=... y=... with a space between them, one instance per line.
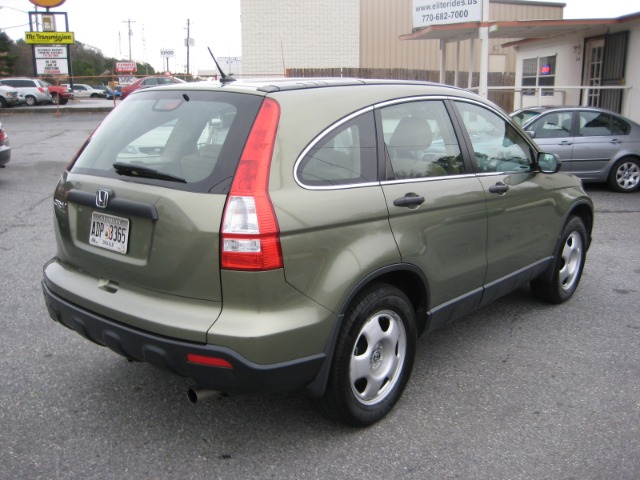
x=147 y=82
x=60 y=94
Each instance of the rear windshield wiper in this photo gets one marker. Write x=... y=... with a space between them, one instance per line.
x=144 y=172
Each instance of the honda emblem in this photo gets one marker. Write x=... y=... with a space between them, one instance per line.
x=102 y=198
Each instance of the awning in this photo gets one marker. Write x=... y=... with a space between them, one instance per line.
x=525 y=29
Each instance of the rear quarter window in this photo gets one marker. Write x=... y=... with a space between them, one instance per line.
x=343 y=155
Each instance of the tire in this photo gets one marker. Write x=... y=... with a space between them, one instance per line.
x=57 y=100
x=31 y=100
x=567 y=266
x=3 y=103
x=63 y=101
x=625 y=175
x=373 y=357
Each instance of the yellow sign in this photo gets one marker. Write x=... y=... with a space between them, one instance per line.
x=47 y=3
x=48 y=38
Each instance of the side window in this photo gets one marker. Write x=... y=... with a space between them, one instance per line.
x=553 y=125
x=344 y=156
x=620 y=127
x=420 y=141
x=497 y=145
x=594 y=124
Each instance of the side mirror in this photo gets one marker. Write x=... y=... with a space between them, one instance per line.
x=549 y=163
x=531 y=133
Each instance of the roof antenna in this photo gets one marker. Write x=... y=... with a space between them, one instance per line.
x=224 y=78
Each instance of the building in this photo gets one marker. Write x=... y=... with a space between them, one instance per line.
x=566 y=68
x=281 y=34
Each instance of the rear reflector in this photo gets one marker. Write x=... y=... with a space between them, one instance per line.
x=208 y=361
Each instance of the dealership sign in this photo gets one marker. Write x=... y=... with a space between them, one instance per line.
x=128 y=67
x=50 y=52
x=52 y=66
x=51 y=60
x=444 y=12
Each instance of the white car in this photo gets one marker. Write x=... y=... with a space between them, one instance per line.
x=33 y=90
x=82 y=90
x=9 y=96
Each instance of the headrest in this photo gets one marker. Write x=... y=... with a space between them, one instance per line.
x=411 y=132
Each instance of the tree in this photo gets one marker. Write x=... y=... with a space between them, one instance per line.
x=88 y=63
x=7 y=57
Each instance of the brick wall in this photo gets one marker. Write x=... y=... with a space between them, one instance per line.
x=281 y=34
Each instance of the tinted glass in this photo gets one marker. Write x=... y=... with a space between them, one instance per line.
x=620 y=127
x=19 y=83
x=497 y=144
x=595 y=124
x=420 y=140
x=196 y=137
x=344 y=156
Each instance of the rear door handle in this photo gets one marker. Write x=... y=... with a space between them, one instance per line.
x=566 y=142
x=409 y=200
x=499 y=188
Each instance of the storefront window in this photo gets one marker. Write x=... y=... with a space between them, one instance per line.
x=539 y=72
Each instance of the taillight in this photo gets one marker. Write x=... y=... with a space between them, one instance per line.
x=250 y=237
x=41 y=89
x=2 y=135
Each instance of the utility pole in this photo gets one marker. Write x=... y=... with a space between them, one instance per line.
x=129 y=22
x=188 y=42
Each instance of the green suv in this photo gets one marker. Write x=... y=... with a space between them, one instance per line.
x=302 y=233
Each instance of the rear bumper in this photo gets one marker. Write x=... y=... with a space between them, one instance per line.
x=171 y=354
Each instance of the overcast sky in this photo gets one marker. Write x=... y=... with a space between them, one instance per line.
x=212 y=23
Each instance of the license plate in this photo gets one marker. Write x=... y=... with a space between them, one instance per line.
x=109 y=232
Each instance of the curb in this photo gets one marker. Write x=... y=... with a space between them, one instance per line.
x=75 y=107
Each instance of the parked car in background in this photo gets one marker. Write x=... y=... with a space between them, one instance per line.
x=60 y=93
x=5 y=149
x=33 y=90
x=523 y=115
x=9 y=96
x=107 y=90
x=82 y=90
x=147 y=82
x=593 y=143
x=258 y=236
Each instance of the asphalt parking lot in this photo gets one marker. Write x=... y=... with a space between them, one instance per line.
x=517 y=390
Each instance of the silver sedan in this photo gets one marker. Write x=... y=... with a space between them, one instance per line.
x=593 y=143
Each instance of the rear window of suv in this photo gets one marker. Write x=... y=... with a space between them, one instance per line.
x=184 y=140
x=19 y=83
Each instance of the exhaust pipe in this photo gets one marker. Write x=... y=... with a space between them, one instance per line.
x=195 y=394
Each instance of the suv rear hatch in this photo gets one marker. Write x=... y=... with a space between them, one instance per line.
x=139 y=211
